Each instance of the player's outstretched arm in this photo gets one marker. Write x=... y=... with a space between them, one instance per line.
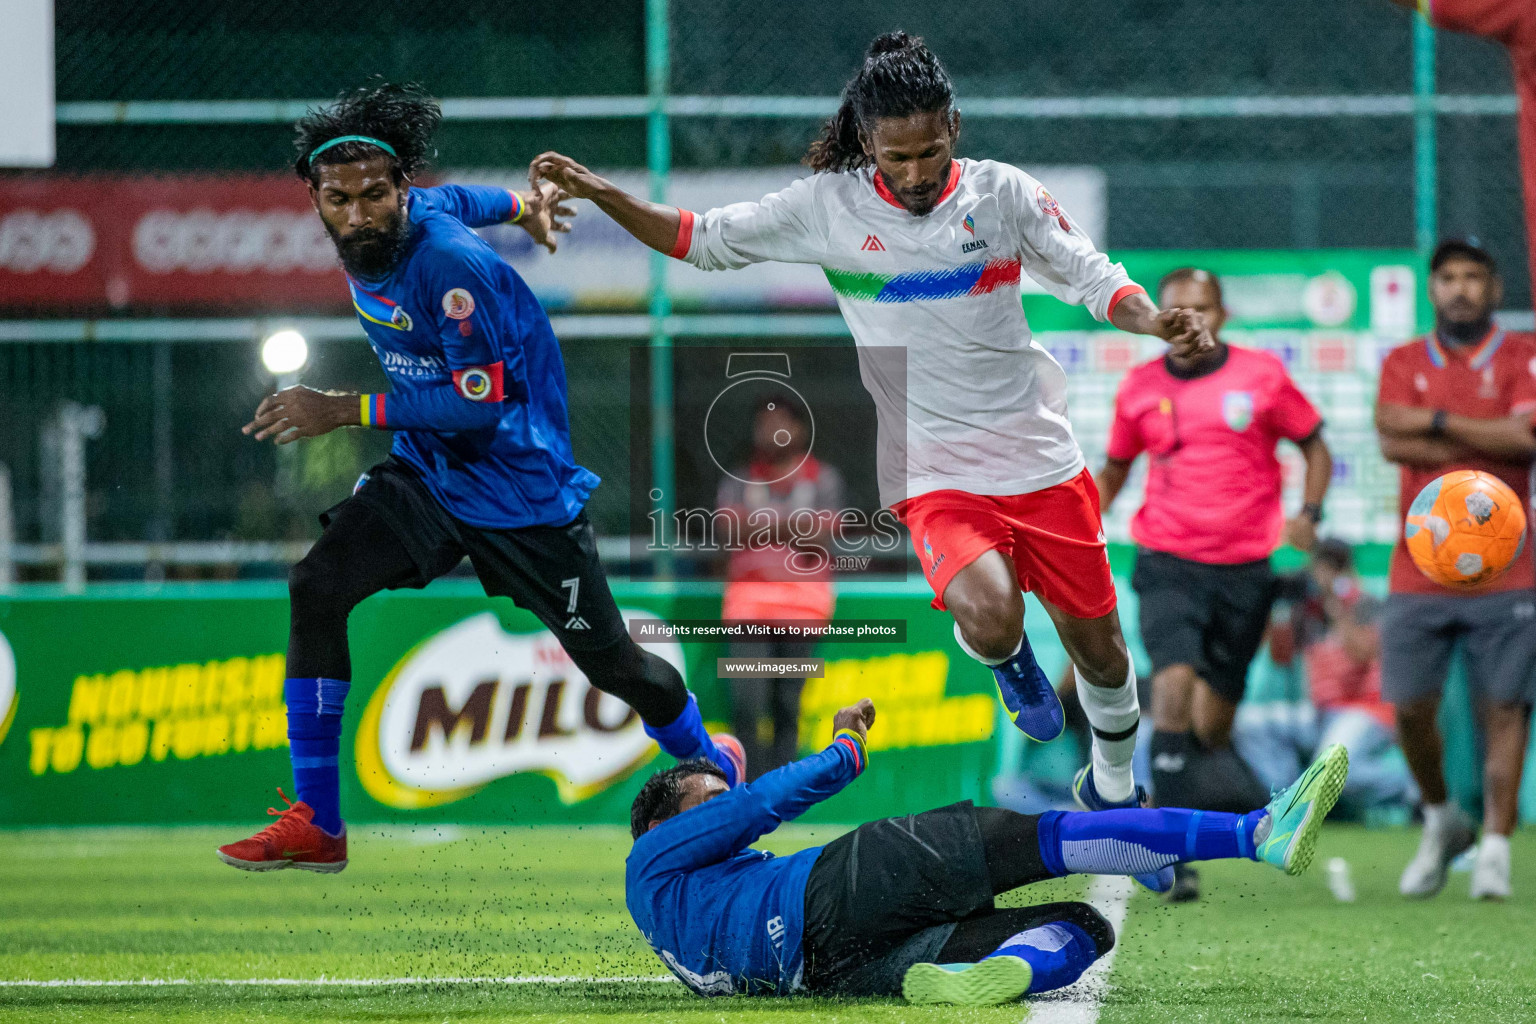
x=1184 y=330
x=727 y=824
x=652 y=223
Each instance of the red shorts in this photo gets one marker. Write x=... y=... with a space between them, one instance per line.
x=1054 y=537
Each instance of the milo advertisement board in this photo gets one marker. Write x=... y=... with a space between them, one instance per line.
x=166 y=706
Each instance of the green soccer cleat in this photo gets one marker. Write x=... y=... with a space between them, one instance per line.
x=1296 y=813
x=997 y=979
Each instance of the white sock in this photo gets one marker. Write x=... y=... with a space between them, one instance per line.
x=989 y=662
x=1493 y=843
x=1112 y=710
x=1436 y=817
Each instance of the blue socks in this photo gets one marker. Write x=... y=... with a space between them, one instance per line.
x=686 y=738
x=314 y=744
x=1058 y=953
x=1142 y=840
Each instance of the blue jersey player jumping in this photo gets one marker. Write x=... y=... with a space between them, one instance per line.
x=905 y=905
x=481 y=464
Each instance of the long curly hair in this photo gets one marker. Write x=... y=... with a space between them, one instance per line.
x=900 y=77
x=402 y=115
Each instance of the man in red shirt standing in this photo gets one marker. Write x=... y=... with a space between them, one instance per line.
x=782 y=484
x=1209 y=423
x=1461 y=398
x=1513 y=23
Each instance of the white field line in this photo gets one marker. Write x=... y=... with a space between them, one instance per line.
x=1079 y=1003
x=318 y=982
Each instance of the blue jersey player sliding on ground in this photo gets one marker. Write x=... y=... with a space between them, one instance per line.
x=905 y=905
x=481 y=464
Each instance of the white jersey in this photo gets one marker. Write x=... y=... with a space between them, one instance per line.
x=965 y=399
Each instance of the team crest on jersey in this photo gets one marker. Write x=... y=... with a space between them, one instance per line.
x=480 y=383
x=933 y=563
x=1237 y=409
x=975 y=244
x=1050 y=207
x=376 y=309
x=458 y=304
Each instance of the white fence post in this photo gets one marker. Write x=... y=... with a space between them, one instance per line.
x=76 y=424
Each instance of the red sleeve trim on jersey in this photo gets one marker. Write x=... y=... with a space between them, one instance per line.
x=684 y=234
x=1122 y=292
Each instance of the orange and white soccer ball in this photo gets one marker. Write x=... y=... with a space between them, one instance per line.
x=1465 y=528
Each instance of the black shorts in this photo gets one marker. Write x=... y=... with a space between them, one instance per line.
x=1210 y=617
x=887 y=885
x=552 y=571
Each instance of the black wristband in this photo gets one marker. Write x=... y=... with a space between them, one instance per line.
x=1313 y=511
x=1437 y=424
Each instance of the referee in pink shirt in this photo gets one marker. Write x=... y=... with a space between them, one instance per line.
x=1209 y=425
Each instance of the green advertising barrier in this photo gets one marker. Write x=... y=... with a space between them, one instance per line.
x=136 y=707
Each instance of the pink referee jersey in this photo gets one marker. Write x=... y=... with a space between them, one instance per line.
x=1213 y=486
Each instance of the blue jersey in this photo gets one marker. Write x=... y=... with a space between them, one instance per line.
x=724 y=918
x=478 y=401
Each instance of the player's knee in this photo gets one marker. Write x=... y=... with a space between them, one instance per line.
x=993 y=627
x=633 y=674
x=1095 y=924
x=1108 y=666
x=315 y=587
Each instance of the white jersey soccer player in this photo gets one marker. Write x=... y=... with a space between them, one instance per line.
x=981 y=408
x=926 y=254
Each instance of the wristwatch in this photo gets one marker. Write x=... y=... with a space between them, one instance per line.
x=1313 y=511
x=1437 y=424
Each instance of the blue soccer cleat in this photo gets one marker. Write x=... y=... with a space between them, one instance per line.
x=1088 y=799
x=1028 y=696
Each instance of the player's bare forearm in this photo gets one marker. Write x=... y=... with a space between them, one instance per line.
x=1319 y=475
x=1111 y=480
x=1183 y=329
x=652 y=223
x=1509 y=438
x=303 y=412
x=1421 y=452
x=1301 y=529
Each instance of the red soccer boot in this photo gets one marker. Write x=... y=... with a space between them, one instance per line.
x=730 y=749
x=292 y=841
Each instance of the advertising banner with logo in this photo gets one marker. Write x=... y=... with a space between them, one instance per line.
x=163 y=709
x=209 y=242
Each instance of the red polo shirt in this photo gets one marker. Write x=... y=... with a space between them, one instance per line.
x=1490 y=380
x=1513 y=23
x=1213 y=487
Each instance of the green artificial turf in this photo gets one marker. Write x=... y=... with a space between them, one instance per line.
x=540 y=902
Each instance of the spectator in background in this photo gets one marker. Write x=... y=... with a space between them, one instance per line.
x=1332 y=624
x=1209 y=423
x=1460 y=398
x=789 y=577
